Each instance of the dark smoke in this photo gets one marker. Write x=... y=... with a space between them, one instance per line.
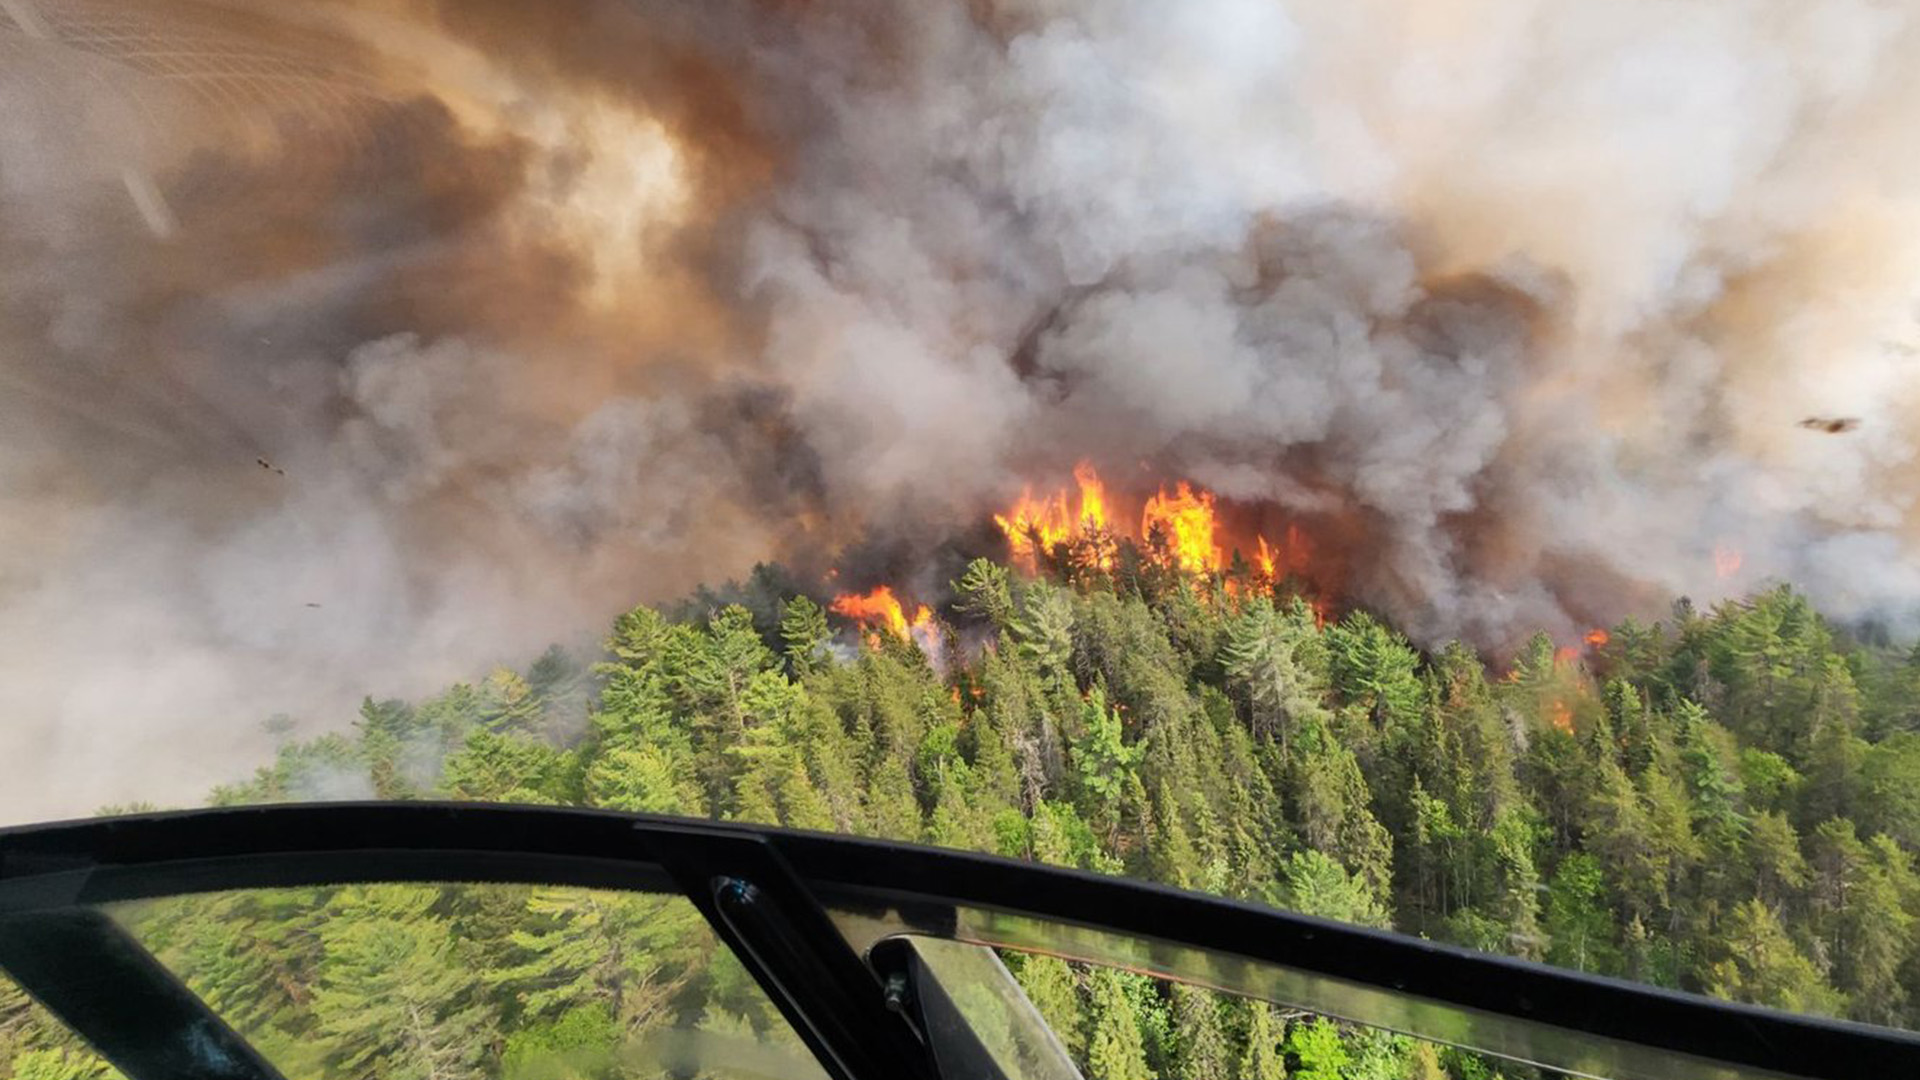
x=535 y=310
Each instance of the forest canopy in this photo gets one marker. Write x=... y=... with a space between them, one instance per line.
x=1724 y=801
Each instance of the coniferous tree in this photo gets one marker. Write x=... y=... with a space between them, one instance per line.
x=804 y=634
x=1760 y=964
x=393 y=996
x=984 y=592
x=1115 y=1049
x=1317 y=1050
x=1264 y=1058
x=1053 y=988
x=1204 y=1051
x=625 y=953
x=1580 y=928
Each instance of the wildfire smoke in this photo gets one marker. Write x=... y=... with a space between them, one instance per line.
x=1497 y=320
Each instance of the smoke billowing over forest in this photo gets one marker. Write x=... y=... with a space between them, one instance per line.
x=361 y=345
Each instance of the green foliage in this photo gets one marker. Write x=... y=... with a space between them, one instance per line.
x=1317 y=1050
x=1042 y=629
x=1761 y=964
x=1053 y=988
x=984 y=592
x=60 y=1065
x=627 y=953
x=1115 y=1048
x=1203 y=1048
x=1727 y=802
x=1580 y=927
x=395 y=996
x=804 y=633
x=1277 y=661
x=1312 y=883
x=1106 y=765
x=497 y=767
x=1265 y=1057
x=585 y=1033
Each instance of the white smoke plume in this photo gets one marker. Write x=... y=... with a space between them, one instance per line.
x=535 y=310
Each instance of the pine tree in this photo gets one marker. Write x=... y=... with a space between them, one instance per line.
x=1760 y=964
x=394 y=997
x=1312 y=883
x=1105 y=764
x=1050 y=984
x=1332 y=806
x=893 y=811
x=1203 y=1051
x=983 y=592
x=1579 y=926
x=627 y=953
x=60 y=1064
x=1860 y=912
x=1890 y=786
x=394 y=760
x=1317 y=1050
x=509 y=705
x=497 y=767
x=1276 y=660
x=1042 y=630
x=249 y=954
x=1264 y=1058
x=1115 y=1049
x=712 y=673
x=1377 y=670
x=1778 y=870
x=804 y=633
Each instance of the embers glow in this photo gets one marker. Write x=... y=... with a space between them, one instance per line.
x=1726 y=561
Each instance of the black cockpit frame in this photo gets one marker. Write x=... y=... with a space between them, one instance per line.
x=764 y=890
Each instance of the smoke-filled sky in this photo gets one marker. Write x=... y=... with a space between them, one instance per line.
x=359 y=345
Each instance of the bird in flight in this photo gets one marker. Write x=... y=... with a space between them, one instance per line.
x=1831 y=425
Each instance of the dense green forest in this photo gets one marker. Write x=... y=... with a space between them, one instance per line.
x=1725 y=802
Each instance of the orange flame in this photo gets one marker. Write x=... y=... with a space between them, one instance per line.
x=1186 y=515
x=1093 y=496
x=881 y=609
x=878 y=608
x=1048 y=521
x=1187 y=518
x=1726 y=561
x=1597 y=637
x=1034 y=525
x=1562 y=717
x=922 y=630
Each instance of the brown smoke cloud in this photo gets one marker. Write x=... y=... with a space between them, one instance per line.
x=547 y=308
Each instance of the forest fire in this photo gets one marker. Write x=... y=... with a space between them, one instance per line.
x=1180 y=526
x=1035 y=525
x=881 y=609
x=1185 y=523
